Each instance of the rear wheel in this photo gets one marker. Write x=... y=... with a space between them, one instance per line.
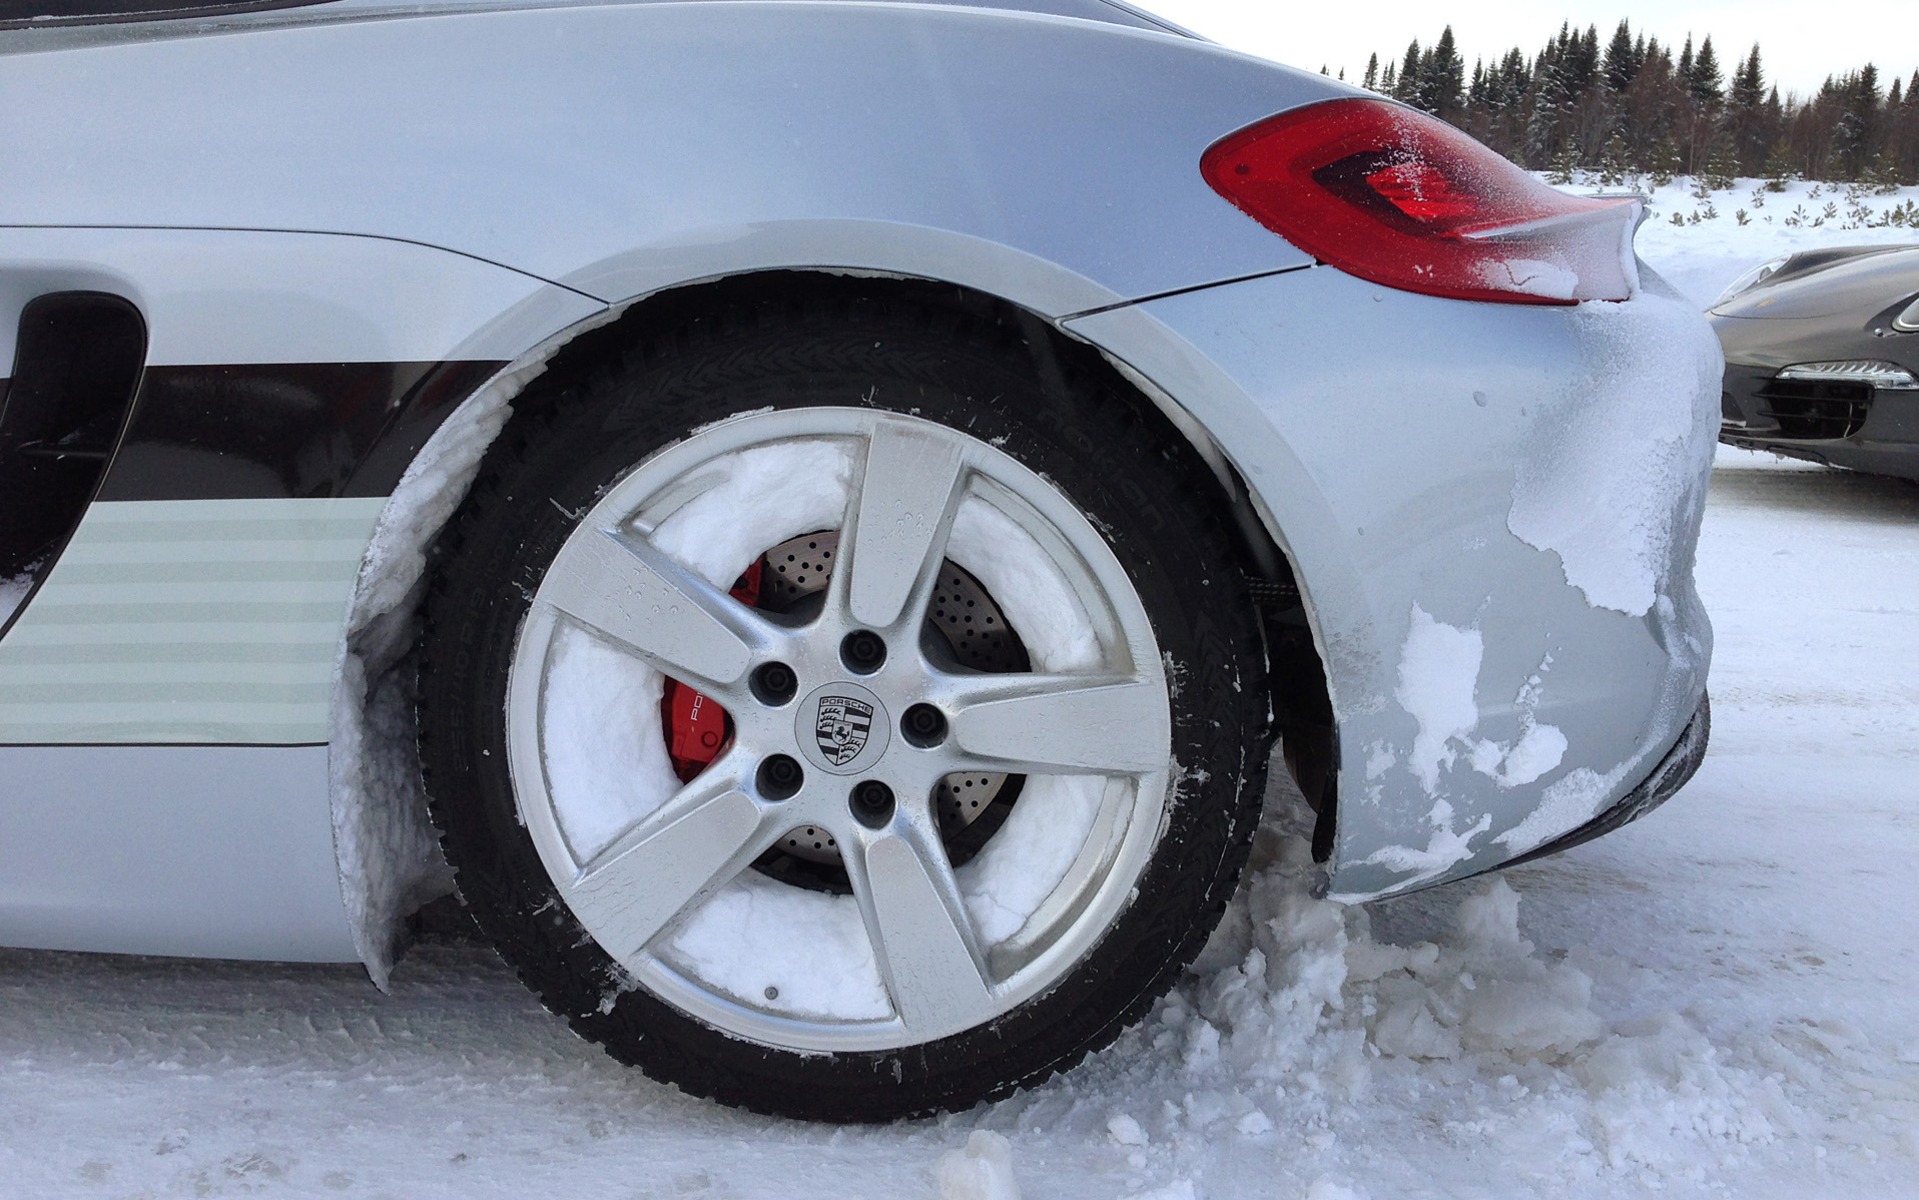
x=831 y=718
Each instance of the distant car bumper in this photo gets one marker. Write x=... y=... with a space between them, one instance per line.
x=1839 y=424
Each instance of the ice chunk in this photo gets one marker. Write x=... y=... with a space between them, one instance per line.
x=1125 y=1130
x=982 y=1171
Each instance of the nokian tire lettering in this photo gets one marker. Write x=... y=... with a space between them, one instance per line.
x=575 y=440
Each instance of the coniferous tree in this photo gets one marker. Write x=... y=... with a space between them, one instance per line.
x=1746 y=114
x=1705 y=82
x=1445 y=83
x=1749 y=83
x=1620 y=65
x=1582 y=61
x=1722 y=163
x=1408 y=86
x=1371 y=82
x=1779 y=167
x=1545 y=140
x=1857 y=98
x=1902 y=136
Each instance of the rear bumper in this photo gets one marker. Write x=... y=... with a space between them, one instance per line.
x=1491 y=511
x=1673 y=772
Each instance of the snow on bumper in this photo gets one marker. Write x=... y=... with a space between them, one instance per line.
x=1492 y=510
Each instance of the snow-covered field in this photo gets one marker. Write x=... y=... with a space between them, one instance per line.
x=1700 y=257
x=1722 y=999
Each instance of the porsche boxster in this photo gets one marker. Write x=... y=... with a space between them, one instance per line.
x=811 y=517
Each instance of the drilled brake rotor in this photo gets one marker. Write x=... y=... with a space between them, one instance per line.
x=969 y=624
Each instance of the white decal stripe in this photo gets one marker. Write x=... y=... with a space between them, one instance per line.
x=187 y=621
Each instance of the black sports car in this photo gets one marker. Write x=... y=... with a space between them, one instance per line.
x=1822 y=358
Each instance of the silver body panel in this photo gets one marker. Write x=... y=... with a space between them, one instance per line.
x=216 y=853
x=251 y=296
x=624 y=149
x=503 y=178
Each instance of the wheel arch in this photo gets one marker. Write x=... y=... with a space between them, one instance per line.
x=1302 y=707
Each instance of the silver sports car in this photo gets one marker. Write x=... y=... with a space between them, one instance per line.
x=812 y=517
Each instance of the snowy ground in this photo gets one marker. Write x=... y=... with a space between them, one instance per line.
x=1700 y=257
x=1720 y=1000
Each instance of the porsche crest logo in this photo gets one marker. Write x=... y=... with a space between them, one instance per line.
x=842 y=728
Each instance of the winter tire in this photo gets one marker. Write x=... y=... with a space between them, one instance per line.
x=846 y=710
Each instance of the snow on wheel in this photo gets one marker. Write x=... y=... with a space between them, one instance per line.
x=803 y=725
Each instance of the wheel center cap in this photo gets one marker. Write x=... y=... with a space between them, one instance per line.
x=842 y=728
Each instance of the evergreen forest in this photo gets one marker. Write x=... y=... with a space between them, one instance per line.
x=1633 y=108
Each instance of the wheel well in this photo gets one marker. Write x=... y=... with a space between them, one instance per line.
x=1302 y=707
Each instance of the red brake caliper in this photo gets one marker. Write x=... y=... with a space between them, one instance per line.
x=697 y=728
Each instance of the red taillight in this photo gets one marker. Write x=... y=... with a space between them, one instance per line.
x=1392 y=195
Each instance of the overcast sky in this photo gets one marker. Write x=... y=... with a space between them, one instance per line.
x=1800 y=41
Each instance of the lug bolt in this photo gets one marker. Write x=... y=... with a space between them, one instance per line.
x=872 y=803
x=779 y=777
x=923 y=725
x=774 y=683
x=862 y=651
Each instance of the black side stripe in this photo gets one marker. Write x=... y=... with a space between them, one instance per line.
x=283 y=431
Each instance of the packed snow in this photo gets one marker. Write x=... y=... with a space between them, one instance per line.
x=1719 y=1000
x=389 y=856
x=605 y=770
x=1438 y=686
x=1621 y=525
x=12 y=592
x=1438 y=669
